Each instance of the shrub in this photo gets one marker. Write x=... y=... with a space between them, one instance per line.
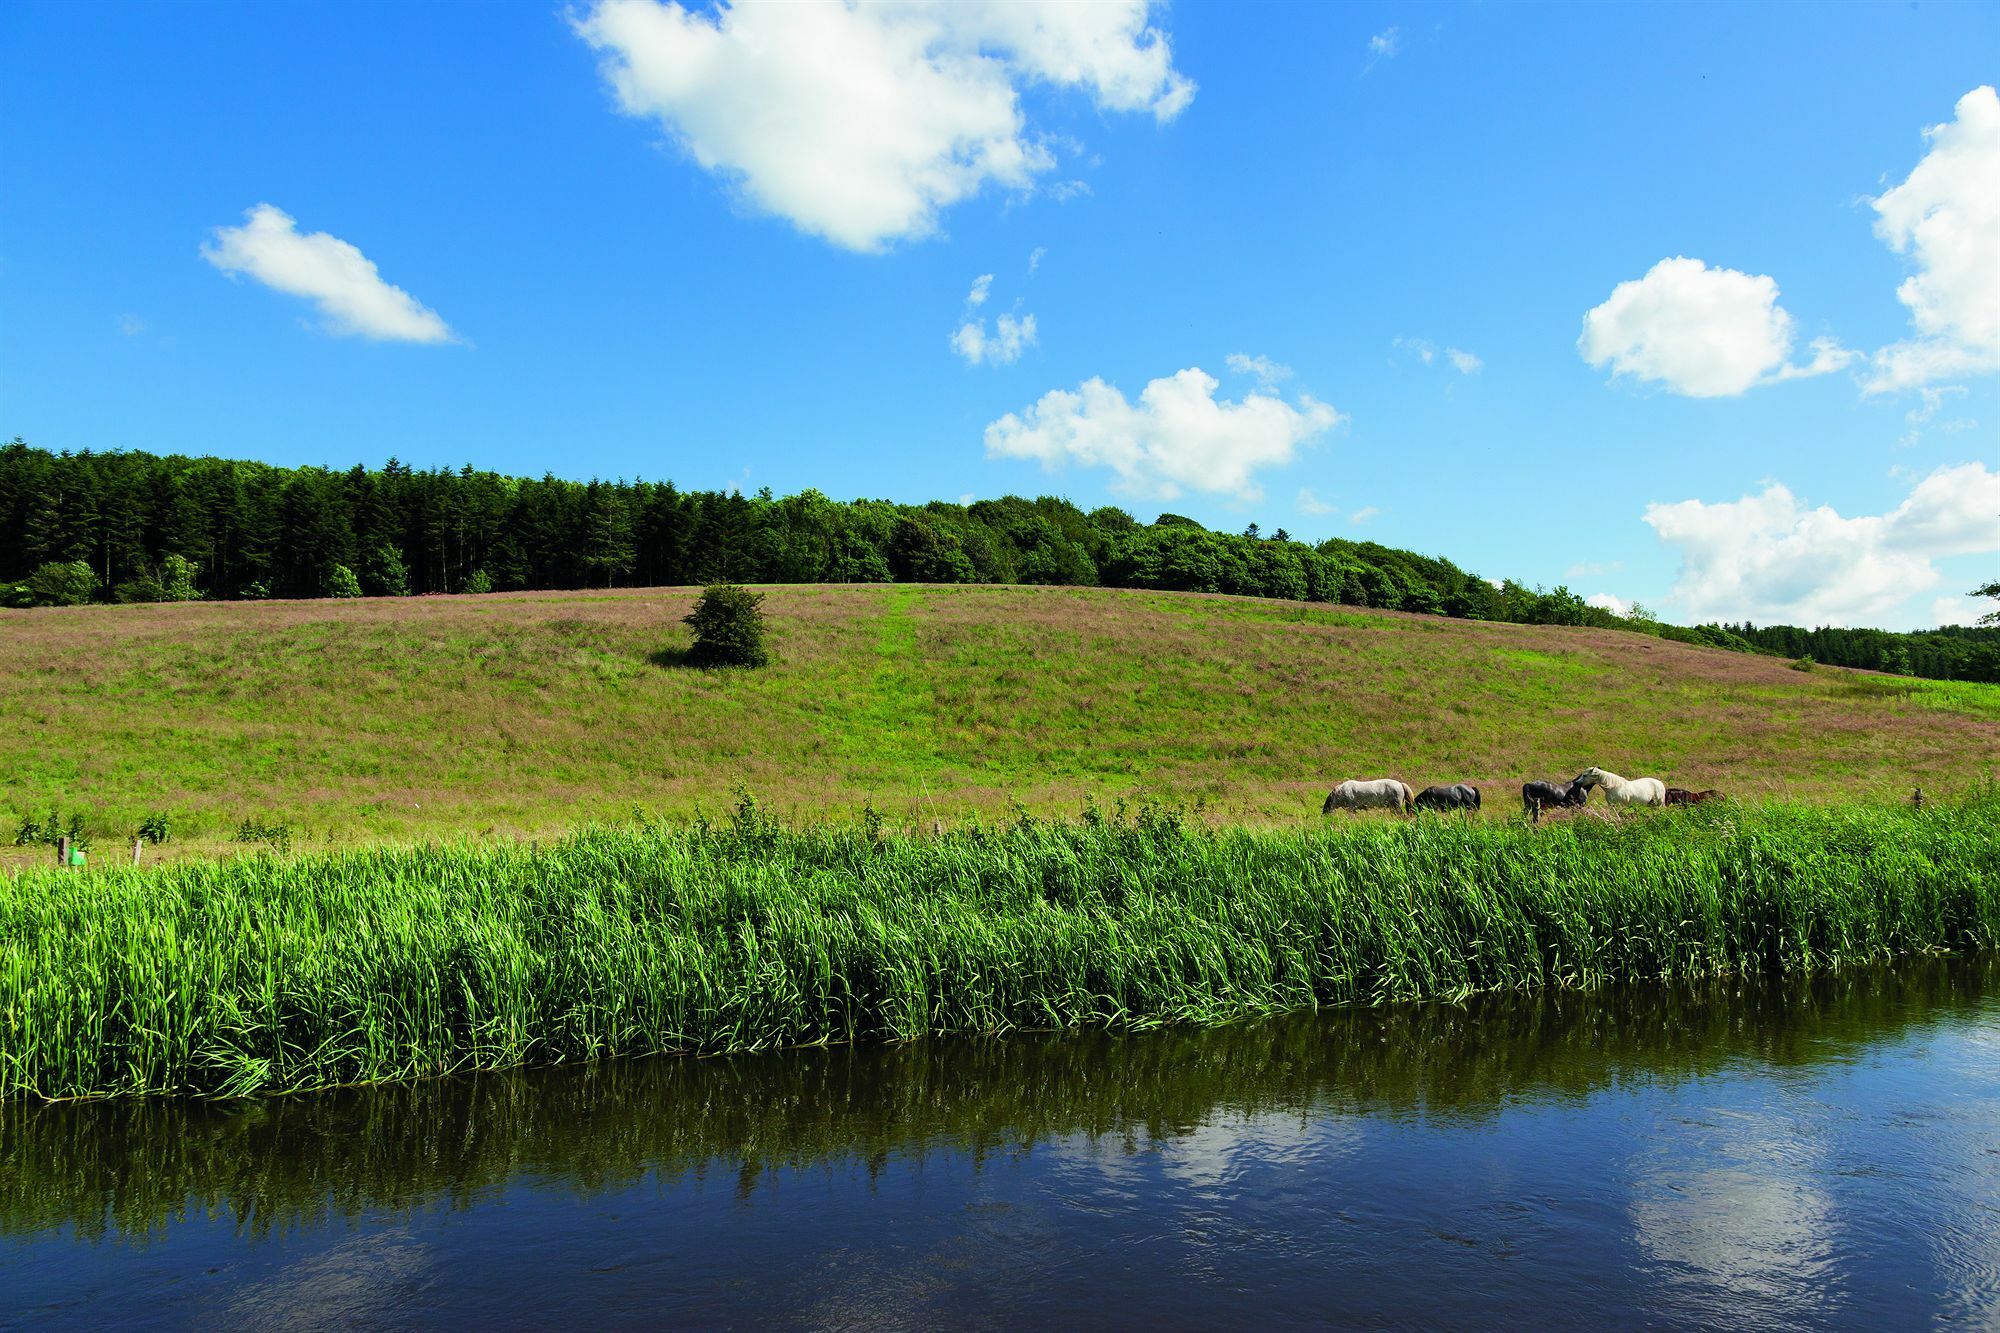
x=46 y=831
x=157 y=827
x=59 y=583
x=1804 y=663
x=267 y=831
x=144 y=588
x=384 y=574
x=177 y=575
x=728 y=627
x=477 y=582
x=340 y=582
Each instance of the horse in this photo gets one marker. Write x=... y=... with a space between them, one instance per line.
x=1623 y=791
x=1378 y=794
x=1682 y=796
x=1459 y=796
x=1539 y=796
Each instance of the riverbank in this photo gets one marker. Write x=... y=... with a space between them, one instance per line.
x=272 y=973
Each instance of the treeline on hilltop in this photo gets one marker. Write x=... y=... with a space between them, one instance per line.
x=133 y=526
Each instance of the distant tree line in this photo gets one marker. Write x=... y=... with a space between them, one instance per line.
x=133 y=526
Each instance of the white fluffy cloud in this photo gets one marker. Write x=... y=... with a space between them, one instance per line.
x=1946 y=217
x=1700 y=331
x=1177 y=437
x=1767 y=557
x=1308 y=503
x=338 y=278
x=981 y=286
x=1617 y=606
x=860 y=121
x=1010 y=337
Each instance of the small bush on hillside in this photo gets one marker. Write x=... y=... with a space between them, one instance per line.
x=267 y=831
x=340 y=582
x=383 y=573
x=1804 y=663
x=46 y=831
x=156 y=827
x=728 y=625
x=58 y=583
x=477 y=581
x=144 y=588
x=177 y=574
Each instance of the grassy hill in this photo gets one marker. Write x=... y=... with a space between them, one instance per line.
x=391 y=719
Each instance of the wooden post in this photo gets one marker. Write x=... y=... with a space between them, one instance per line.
x=137 y=843
x=62 y=851
x=1917 y=798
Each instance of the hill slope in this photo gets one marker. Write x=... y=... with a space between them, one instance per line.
x=396 y=718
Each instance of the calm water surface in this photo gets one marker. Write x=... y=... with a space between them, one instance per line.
x=1738 y=1155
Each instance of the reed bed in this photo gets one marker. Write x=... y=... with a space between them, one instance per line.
x=271 y=973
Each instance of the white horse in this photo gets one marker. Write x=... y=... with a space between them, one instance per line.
x=1624 y=791
x=1379 y=794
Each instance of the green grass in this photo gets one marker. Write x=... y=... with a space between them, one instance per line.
x=275 y=973
x=399 y=720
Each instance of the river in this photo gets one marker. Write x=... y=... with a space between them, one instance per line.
x=1743 y=1154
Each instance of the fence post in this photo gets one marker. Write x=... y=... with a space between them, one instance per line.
x=62 y=851
x=137 y=843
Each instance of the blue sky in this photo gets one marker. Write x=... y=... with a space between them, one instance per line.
x=1674 y=304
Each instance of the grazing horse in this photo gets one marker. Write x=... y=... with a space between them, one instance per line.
x=1379 y=794
x=1459 y=796
x=1539 y=796
x=1682 y=796
x=1624 y=791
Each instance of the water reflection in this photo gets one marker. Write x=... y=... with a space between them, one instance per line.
x=1225 y=1101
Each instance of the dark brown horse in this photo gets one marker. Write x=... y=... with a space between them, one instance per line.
x=1539 y=796
x=1459 y=796
x=1682 y=796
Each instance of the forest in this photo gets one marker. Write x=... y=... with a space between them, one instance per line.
x=135 y=526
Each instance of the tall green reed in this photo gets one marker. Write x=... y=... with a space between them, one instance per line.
x=273 y=973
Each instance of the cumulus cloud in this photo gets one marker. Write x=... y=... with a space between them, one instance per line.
x=1010 y=337
x=344 y=284
x=1262 y=368
x=1035 y=257
x=1363 y=514
x=1465 y=363
x=1308 y=503
x=861 y=122
x=1617 y=606
x=1700 y=331
x=1957 y=611
x=1176 y=437
x=1946 y=217
x=981 y=285
x=1769 y=557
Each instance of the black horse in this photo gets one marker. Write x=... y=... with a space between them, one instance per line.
x=1460 y=796
x=1539 y=796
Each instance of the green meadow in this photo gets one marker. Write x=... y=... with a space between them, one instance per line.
x=394 y=720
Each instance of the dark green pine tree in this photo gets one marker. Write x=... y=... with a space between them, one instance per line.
x=608 y=548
